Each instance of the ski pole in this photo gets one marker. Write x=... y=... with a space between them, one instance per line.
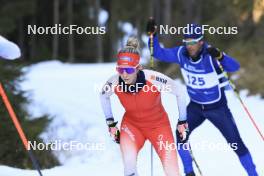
x=19 y=129
x=152 y=67
x=151 y=160
x=194 y=160
x=241 y=101
x=151 y=52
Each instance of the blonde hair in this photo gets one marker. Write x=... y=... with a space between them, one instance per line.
x=132 y=46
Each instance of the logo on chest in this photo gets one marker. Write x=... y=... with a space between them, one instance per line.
x=194 y=69
x=156 y=78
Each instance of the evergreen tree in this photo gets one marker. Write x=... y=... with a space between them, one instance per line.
x=12 y=151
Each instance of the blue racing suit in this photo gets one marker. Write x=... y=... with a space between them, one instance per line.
x=205 y=84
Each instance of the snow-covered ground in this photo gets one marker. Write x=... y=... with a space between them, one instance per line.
x=69 y=94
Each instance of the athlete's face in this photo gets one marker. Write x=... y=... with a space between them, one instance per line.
x=193 y=48
x=128 y=74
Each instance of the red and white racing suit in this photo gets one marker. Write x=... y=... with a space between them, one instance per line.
x=145 y=119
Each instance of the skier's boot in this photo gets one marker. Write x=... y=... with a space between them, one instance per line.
x=190 y=174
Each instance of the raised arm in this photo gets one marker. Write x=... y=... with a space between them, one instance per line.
x=8 y=49
x=229 y=64
x=165 y=54
x=162 y=54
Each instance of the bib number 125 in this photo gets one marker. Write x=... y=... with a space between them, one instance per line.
x=197 y=81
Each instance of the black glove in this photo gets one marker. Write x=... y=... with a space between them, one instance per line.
x=215 y=53
x=151 y=27
x=182 y=131
x=113 y=130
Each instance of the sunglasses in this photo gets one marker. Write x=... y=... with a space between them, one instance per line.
x=191 y=42
x=128 y=70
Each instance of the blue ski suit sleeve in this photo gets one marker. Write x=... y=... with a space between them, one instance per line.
x=230 y=64
x=165 y=54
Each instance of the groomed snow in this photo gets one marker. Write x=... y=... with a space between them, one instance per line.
x=67 y=92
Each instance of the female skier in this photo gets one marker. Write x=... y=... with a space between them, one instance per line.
x=139 y=91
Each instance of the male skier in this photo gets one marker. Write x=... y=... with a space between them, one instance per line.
x=205 y=83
